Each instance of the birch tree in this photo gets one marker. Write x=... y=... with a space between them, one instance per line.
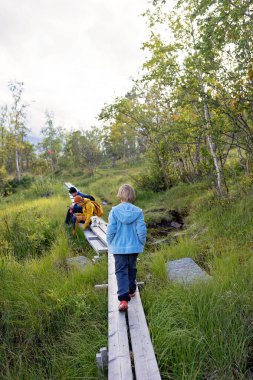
x=18 y=129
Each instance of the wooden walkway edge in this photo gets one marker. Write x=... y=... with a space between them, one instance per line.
x=145 y=363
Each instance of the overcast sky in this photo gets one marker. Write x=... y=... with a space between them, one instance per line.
x=72 y=55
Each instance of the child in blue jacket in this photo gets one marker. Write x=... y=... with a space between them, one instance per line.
x=126 y=237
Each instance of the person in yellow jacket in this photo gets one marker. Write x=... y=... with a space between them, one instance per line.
x=89 y=209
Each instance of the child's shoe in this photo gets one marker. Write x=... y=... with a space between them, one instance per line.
x=132 y=294
x=123 y=306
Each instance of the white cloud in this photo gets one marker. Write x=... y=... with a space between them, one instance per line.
x=73 y=56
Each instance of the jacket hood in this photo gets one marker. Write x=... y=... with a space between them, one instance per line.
x=126 y=213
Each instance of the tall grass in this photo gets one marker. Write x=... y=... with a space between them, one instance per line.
x=201 y=332
x=52 y=321
x=204 y=331
x=30 y=228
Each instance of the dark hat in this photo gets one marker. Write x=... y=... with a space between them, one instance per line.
x=72 y=189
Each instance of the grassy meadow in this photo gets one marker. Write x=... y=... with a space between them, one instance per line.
x=53 y=321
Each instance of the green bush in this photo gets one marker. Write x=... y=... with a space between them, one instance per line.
x=42 y=187
x=25 y=182
x=5 y=186
x=28 y=233
x=151 y=179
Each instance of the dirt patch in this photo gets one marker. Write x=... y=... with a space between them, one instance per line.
x=161 y=222
x=164 y=223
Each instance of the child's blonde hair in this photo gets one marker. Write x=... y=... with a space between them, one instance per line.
x=126 y=193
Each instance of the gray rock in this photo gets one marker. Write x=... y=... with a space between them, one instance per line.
x=185 y=271
x=78 y=262
x=176 y=225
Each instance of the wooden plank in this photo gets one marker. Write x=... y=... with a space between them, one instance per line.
x=104 y=355
x=145 y=363
x=99 y=222
x=101 y=286
x=97 y=246
x=94 y=241
x=105 y=286
x=99 y=227
x=88 y=233
x=119 y=363
x=69 y=185
x=99 y=233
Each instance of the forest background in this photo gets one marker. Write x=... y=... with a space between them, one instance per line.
x=189 y=113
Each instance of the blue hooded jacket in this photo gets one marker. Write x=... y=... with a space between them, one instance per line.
x=126 y=230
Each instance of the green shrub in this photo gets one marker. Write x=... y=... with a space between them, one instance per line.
x=5 y=186
x=25 y=182
x=42 y=187
x=28 y=233
x=151 y=179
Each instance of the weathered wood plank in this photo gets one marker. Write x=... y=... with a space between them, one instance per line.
x=99 y=233
x=88 y=233
x=99 y=222
x=69 y=185
x=145 y=363
x=99 y=227
x=97 y=246
x=119 y=363
x=94 y=241
x=105 y=286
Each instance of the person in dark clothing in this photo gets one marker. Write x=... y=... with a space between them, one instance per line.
x=73 y=191
x=75 y=208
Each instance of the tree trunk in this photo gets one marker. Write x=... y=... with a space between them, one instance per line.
x=218 y=173
x=17 y=165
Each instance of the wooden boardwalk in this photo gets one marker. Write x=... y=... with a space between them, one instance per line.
x=130 y=350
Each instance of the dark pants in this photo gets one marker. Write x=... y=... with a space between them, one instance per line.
x=70 y=212
x=125 y=270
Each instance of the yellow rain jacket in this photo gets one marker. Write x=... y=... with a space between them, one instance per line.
x=89 y=210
